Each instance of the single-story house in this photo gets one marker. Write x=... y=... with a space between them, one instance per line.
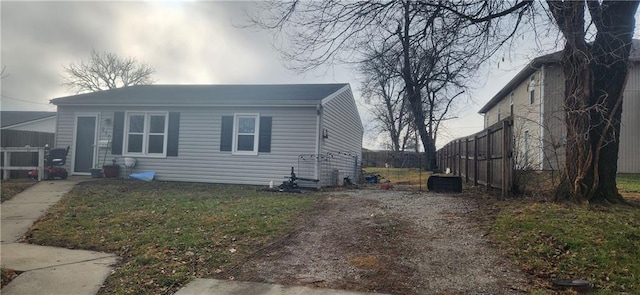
x=239 y=134
x=534 y=98
x=28 y=121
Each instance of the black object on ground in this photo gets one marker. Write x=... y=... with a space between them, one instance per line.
x=291 y=185
x=444 y=184
x=580 y=286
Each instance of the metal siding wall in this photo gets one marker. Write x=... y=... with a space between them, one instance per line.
x=629 y=153
x=342 y=120
x=628 y=159
x=554 y=118
x=199 y=158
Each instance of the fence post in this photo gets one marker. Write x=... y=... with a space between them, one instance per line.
x=505 y=158
x=459 y=158
x=40 y=163
x=488 y=158
x=475 y=160
x=466 y=160
x=7 y=162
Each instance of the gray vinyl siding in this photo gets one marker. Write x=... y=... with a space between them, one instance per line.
x=199 y=157
x=344 y=143
x=628 y=154
x=628 y=159
x=64 y=133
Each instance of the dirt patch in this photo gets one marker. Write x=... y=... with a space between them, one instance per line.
x=7 y=275
x=389 y=242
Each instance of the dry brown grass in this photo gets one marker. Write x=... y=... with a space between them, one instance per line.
x=13 y=187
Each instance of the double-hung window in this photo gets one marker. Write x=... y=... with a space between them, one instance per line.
x=511 y=104
x=532 y=89
x=146 y=134
x=245 y=133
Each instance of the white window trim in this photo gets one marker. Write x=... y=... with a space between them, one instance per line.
x=145 y=134
x=256 y=134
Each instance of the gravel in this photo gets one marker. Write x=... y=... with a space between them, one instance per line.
x=453 y=255
x=396 y=242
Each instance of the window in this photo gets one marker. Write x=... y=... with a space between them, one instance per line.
x=245 y=134
x=146 y=133
x=499 y=113
x=532 y=96
x=532 y=88
x=511 y=104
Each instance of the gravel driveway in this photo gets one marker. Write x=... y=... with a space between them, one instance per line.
x=394 y=242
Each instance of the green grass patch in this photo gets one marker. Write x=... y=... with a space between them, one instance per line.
x=629 y=182
x=168 y=233
x=10 y=188
x=401 y=176
x=564 y=241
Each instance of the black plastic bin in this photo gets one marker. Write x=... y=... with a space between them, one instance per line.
x=444 y=184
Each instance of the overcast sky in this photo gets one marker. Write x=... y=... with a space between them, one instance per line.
x=186 y=42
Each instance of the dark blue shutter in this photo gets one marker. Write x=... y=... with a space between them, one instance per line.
x=264 y=142
x=118 y=132
x=173 y=134
x=226 y=134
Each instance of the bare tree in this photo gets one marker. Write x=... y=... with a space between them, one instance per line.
x=595 y=76
x=384 y=93
x=433 y=46
x=105 y=70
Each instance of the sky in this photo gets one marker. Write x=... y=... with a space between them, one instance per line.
x=187 y=42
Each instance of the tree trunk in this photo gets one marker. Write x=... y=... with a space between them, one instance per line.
x=413 y=90
x=595 y=79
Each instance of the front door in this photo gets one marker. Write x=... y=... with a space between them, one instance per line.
x=85 y=146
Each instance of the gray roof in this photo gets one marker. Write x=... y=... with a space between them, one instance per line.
x=535 y=64
x=10 y=118
x=204 y=94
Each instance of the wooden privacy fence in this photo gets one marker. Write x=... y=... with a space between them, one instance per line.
x=484 y=158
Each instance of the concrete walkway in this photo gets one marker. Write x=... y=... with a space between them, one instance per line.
x=47 y=270
x=219 y=287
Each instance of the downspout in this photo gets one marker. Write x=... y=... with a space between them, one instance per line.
x=318 y=142
x=542 y=97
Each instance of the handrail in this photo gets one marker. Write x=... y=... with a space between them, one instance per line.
x=6 y=167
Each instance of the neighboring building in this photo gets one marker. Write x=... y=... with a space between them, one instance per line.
x=23 y=128
x=534 y=97
x=241 y=134
x=29 y=121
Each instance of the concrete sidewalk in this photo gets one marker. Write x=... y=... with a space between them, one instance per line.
x=220 y=287
x=47 y=270
x=19 y=213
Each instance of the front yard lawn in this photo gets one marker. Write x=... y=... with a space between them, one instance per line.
x=168 y=233
x=554 y=241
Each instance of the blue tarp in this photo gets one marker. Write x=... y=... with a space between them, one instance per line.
x=146 y=176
